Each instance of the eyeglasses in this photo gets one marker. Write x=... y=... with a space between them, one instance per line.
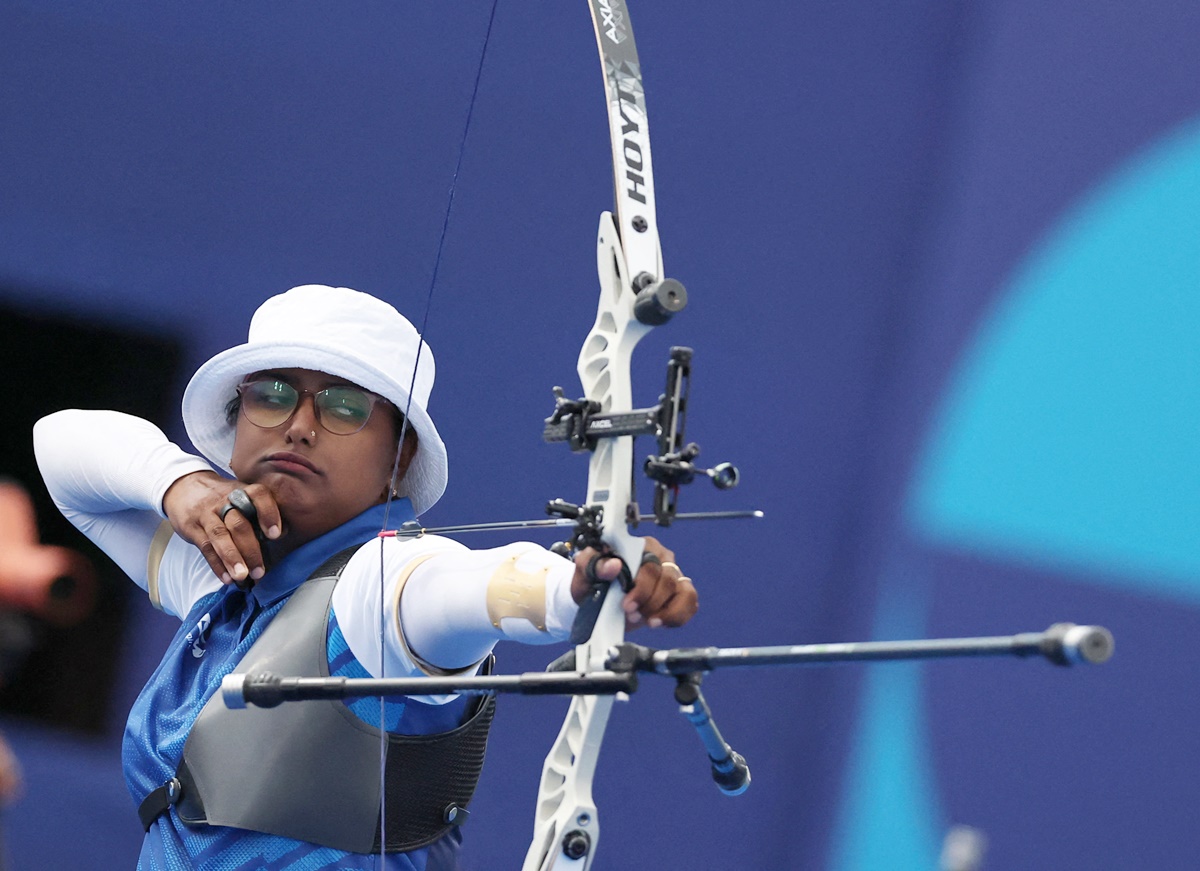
x=341 y=410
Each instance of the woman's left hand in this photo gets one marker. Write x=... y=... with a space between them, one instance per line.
x=662 y=595
x=11 y=780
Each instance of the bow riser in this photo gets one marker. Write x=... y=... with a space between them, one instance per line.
x=565 y=800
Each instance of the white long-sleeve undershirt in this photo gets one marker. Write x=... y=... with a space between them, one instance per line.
x=108 y=472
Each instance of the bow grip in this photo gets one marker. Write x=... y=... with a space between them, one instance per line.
x=598 y=589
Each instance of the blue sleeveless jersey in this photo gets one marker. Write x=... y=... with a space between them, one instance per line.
x=214 y=636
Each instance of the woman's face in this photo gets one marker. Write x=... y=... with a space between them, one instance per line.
x=319 y=479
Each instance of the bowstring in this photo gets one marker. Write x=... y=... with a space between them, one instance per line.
x=404 y=426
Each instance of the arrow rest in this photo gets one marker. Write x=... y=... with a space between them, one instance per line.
x=589 y=523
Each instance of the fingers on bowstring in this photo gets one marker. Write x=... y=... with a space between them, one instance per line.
x=270 y=522
x=238 y=548
x=242 y=522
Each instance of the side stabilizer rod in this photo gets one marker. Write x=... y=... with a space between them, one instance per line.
x=267 y=690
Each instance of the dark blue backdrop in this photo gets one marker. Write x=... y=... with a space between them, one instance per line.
x=942 y=261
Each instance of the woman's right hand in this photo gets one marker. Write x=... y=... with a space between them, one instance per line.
x=193 y=505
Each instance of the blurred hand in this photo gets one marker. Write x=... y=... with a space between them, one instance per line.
x=11 y=781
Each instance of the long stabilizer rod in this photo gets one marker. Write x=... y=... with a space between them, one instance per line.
x=1062 y=644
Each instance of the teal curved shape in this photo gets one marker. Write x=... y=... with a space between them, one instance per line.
x=889 y=814
x=1070 y=437
x=1071 y=434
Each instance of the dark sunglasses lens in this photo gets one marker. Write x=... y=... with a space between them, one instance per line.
x=344 y=410
x=268 y=403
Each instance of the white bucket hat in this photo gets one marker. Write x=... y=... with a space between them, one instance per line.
x=340 y=332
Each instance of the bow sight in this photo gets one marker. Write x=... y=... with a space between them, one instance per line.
x=582 y=424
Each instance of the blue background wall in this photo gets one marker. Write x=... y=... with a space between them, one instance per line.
x=944 y=269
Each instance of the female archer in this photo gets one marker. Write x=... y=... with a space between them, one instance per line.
x=282 y=565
